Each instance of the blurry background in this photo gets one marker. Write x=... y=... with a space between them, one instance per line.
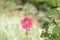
x=45 y=13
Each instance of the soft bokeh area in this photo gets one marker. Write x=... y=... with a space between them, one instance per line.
x=29 y=19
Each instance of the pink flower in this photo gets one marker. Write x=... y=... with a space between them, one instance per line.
x=30 y=38
x=56 y=20
x=43 y=30
x=27 y=22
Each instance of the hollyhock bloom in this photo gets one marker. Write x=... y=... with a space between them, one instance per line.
x=43 y=30
x=27 y=22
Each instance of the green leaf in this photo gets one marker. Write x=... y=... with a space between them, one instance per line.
x=58 y=3
x=51 y=27
x=54 y=2
x=52 y=12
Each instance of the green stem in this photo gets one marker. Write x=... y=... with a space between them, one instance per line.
x=27 y=33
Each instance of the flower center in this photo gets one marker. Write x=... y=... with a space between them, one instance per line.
x=26 y=22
